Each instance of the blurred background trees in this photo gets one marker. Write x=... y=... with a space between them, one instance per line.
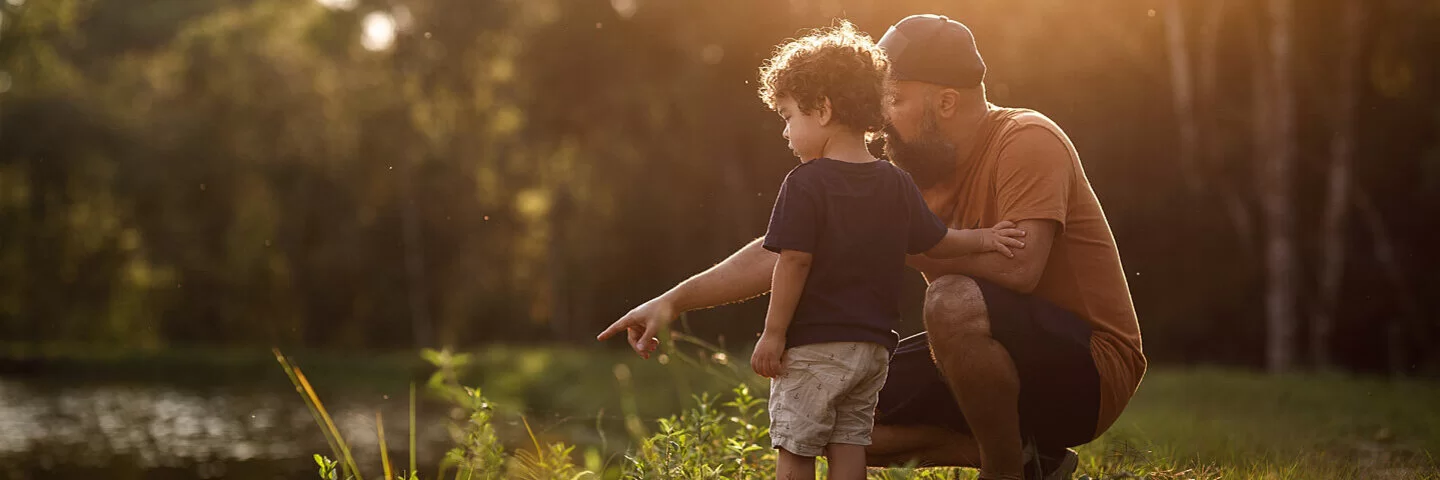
x=399 y=173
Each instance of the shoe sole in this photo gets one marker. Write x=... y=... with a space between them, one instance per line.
x=1066 y=468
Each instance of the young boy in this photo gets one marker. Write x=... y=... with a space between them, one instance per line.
x=842 y=224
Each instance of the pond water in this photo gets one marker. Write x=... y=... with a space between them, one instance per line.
x=157 y=431
x=204 y=415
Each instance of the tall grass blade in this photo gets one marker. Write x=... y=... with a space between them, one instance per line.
x=384 y=451
x=412 y=428
x=309 y=404
x=533 y=440
x=344 y=448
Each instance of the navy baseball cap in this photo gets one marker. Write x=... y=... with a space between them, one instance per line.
x=933 y=49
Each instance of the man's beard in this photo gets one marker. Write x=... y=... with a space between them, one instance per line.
x=928 y=157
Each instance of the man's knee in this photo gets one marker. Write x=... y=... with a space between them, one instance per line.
x=954 y=307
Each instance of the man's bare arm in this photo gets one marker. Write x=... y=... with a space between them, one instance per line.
x=745 y=274
x=1020 y=273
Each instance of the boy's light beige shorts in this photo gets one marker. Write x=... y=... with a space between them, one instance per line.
x=826 y=393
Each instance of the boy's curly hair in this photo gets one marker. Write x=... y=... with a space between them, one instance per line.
x=839 y=63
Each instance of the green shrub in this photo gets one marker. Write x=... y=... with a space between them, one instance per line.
x=708 y=442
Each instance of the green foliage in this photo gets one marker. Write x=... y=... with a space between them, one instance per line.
x=329 y=469
x=706 y=442
x=1183 y=424
x=477 y=450
x=550 y=462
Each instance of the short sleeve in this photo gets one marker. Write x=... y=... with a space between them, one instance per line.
x=796 y=219
x=926 y=229
x=1034 y=176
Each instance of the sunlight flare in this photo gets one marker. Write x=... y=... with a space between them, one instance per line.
x=379 y=31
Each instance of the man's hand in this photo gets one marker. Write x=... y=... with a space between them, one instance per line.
x=642 y=323
x=766 y=359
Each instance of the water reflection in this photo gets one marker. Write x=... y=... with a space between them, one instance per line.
x=51 y=431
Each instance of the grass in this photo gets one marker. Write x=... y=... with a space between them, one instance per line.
x=604 y=404
x=1199 y=423
x=1211 y=423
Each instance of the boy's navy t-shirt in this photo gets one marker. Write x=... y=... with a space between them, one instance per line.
x=858 y=220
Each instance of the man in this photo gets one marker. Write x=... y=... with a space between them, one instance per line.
x=1021 y=357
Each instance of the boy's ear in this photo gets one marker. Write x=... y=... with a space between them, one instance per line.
x=823 y=112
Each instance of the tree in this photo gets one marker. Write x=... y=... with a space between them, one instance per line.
x=1276 y=144
x=1339 y=180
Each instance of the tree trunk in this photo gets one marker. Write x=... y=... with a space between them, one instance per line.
x=1277 y=138
x=1337 y=201
x=1405 y=327
x=1211 y=156
x=1199 y=132
x=1182 y=94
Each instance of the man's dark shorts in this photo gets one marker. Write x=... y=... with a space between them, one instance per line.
x=1059 y=385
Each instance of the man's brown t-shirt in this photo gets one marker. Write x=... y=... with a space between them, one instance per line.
x=1025 y=168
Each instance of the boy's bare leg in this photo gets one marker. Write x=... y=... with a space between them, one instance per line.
x=979 y=371
x=794 y=467
x=847 y=462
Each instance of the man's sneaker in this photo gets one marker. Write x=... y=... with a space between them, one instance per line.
x=1057 y=465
